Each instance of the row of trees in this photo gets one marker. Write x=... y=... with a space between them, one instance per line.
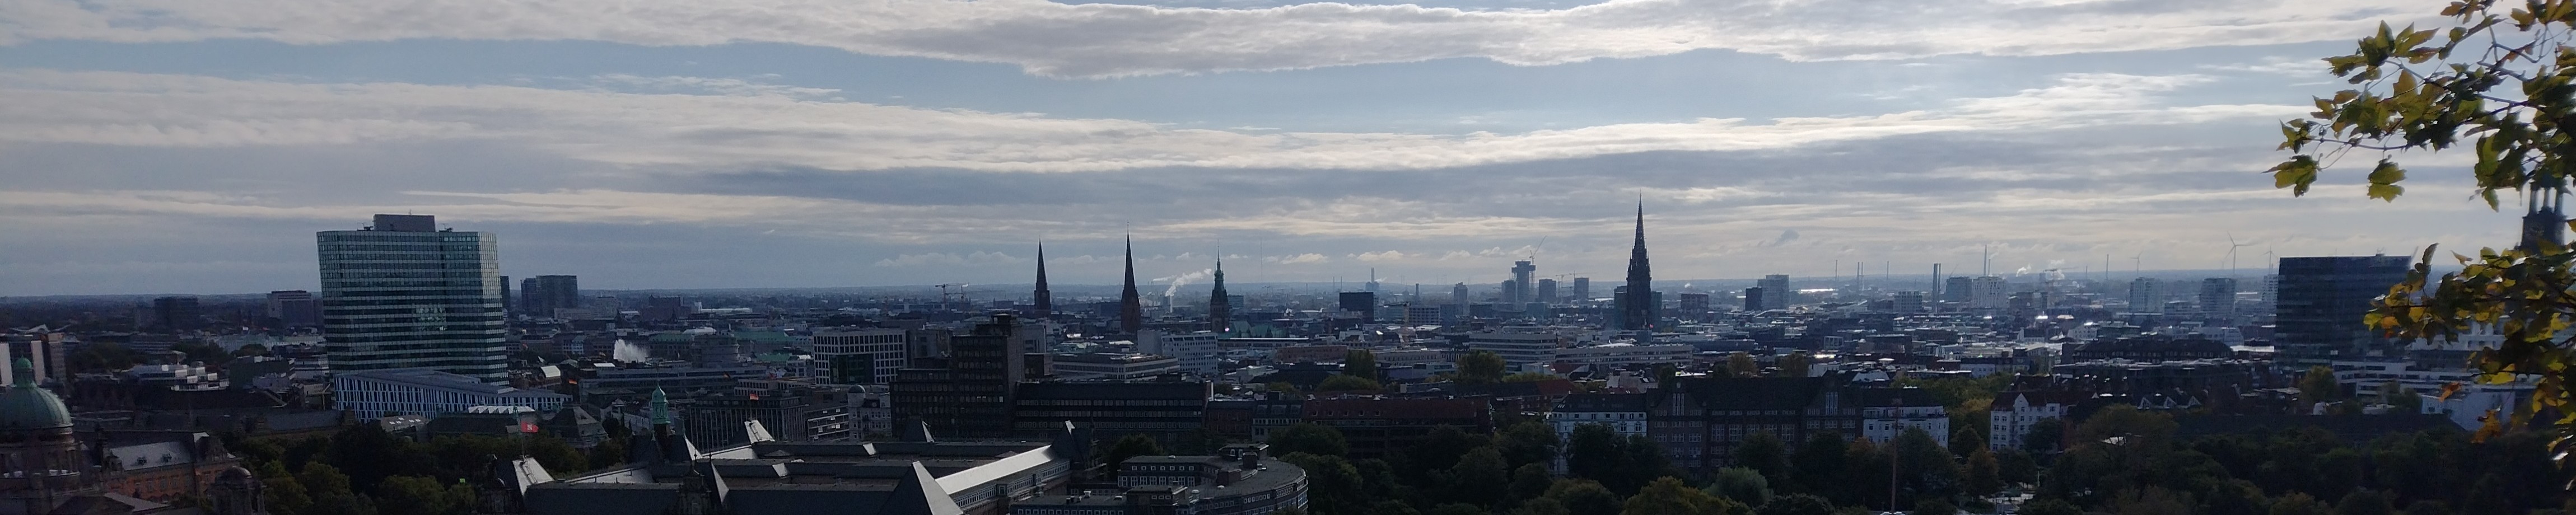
x=362 y=470
x=2128 y=461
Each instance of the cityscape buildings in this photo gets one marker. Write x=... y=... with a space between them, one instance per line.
x=2322 y=298
x=403 y=293
x=542 y=295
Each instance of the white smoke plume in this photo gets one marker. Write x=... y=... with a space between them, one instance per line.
x=1183 y=280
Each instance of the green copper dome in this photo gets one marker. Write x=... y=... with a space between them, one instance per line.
x=23 y=406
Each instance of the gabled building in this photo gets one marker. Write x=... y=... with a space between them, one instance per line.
x=2014 y=412
x=1623 y=413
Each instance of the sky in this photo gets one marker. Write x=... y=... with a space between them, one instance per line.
x=195 y=146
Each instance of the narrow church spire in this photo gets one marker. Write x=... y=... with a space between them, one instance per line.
x=1637 y=306
x=1220 y=305
x=1045 y=299
x=1131 y=308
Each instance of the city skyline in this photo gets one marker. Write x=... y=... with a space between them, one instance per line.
x=186 y=151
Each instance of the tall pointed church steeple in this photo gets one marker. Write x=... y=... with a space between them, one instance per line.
x=1131 y=308
x=1220 y=305
x=1045 y=299
x=1637 y=305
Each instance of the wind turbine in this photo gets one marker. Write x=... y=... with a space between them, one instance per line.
x=2232 y=245
x=2137 y=263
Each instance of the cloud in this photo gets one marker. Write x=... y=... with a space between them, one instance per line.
x=1381 y=256
x=1297 y=259
x=950 y=259
x=1104 y=40
x=762 y=127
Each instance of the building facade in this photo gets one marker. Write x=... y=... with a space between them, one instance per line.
x=420 y=391
x=2322 y=300
x=403 y=294
x=861 y=356
x=971 y=395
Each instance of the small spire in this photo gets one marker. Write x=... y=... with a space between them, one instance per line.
x=660 y=407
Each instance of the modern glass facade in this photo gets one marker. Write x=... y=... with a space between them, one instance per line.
x=2322 y=301
x=401 y=294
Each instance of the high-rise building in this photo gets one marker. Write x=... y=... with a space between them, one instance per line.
x=1131 y=308
x=177 y=313
x=2146 y=295
x=542 y=295
x=1957 y=289
x=861 y=356
x=1582 y=289
x=1221 y=304
x=1458 y=294
x=1044 y=299
x=1522 y=283
x=1987 y=292
x=1511 y=292
x=403 y=294
x=2322 y=303
x=1361 y=302
x=294 y=308
x=2271 y=294
x=1638 y=306
x=971 y=397
x=1775 y=291
x=2218 y=300
x=1547 y=291
x=1755 y=298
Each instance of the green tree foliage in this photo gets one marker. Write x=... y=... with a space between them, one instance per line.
x=101 y=357
x=1529 y=482
x=1347 y=383
x=1129 y=446
x=2016 y=467
x=1766 y=454
x=1670 y=496
x=1741 y=484
x=1332 y=485
x=1982 y=475
x=1794 y=365
x=1797 y=504
x=1310 y=439
x=1924 y=468
x=1281 y=387
x=2318 y=385
x=1543 y=506
x=1529 y=377
x=1583 y=497
x=1392 y=507
x=1480 y=367
x=2044 y=437
x=284 y=494
x=2365 y=503
x=2299 y=503
x=1818 y=464
x=2500 y=77
x=1741 y=364
x=1443 y=446
x=420 y=495
x=1475 y=475
x=1360 y=363
x=1527 y=442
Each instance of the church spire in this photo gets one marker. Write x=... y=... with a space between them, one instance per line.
x=1220 y=305
x=1131 y=309
x=1637 y=306
x=1045 y=299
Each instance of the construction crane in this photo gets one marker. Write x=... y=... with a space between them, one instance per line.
x=944 y=293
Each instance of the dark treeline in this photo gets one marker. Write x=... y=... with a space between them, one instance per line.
x=362 y=470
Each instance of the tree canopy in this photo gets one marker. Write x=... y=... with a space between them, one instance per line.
x=2501 y=81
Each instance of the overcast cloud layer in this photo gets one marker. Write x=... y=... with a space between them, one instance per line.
x=1895 y=134
x=1100 y=39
